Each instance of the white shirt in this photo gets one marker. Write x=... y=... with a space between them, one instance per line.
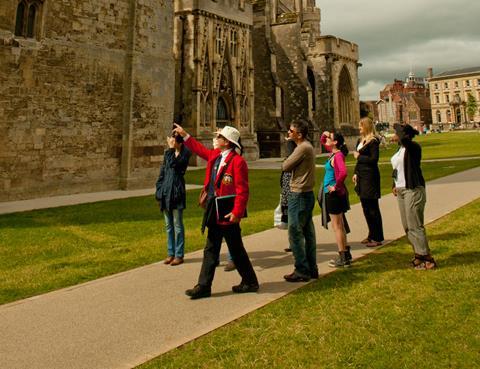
x=360 y=145
x=224 y=156
x=397 y=161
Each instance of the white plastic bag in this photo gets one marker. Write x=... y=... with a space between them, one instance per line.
x=277 y=218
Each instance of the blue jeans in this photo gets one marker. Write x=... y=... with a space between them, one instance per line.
x=301 y=232
x=175 y=232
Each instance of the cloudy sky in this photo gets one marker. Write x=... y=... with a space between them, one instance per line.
x=394 y=35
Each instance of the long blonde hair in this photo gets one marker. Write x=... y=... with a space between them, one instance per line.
x=369 y=132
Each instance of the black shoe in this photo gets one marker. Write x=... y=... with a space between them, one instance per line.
x=294 y=277
x=198 y=292
x=314 y=275
x=243 y=288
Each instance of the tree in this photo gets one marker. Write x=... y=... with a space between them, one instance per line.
x=472 y=106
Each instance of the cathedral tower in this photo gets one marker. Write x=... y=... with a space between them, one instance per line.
x=214 y=68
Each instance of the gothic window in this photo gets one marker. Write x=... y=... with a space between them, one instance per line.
x=222 y=113
x=218 y=40
x=311 y=81
x=345 y=97
x=27 y=20
x=233 y=43
x=245 y=113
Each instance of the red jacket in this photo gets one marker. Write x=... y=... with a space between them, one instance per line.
x=235 y=175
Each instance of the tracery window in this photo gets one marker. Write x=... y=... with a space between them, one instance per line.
x=233 y=43
x=218 y=40
x=27 y=21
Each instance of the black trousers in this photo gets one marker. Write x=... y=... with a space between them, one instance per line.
x=211 y=253
x=371 y=210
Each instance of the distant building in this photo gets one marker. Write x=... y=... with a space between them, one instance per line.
x=449 y=95
x=397 y=98
x=418 y=112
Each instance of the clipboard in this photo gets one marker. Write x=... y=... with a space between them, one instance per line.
x=224 y=206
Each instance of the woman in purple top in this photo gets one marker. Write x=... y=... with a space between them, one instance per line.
x=334 y=199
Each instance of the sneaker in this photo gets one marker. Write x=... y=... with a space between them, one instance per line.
x=340 y=262
x=348 y=254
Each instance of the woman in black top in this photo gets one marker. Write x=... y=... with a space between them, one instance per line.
x=409 y=188
x=367 y=181
x=171 y=196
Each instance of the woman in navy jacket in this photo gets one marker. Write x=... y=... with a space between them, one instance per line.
x=171 y=197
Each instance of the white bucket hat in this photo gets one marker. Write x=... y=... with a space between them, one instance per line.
x=231 y=134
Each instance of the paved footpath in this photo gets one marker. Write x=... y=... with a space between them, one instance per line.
x=126 y=319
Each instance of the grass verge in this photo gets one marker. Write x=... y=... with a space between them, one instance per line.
x=378 y=314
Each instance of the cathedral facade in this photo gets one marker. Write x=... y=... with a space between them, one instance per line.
x=258 y=65
x=300 y=73
x=214 y=69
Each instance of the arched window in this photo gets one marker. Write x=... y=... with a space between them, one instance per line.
x=311 y=81
x=345 y=97
x=26 y=21
x=20 y=18
x=32 y=10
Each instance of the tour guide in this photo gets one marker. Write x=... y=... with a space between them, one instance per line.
x=226 y=174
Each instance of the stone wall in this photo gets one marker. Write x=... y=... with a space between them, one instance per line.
x=85 y=107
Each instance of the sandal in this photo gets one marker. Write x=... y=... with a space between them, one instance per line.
x=417 y=260
x=427 y=265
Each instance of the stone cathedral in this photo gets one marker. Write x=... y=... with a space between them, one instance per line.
x=89 y=89
x=258 y=65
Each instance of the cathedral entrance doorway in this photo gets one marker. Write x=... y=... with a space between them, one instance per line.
x=223 y=116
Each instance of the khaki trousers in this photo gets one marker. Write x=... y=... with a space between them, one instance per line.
x=411 y=203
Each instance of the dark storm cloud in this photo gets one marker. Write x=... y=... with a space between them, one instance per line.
x=396 y=36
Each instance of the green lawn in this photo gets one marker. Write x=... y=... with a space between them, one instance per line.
x=48 y=249
x=379 y=314
x=435 y=146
